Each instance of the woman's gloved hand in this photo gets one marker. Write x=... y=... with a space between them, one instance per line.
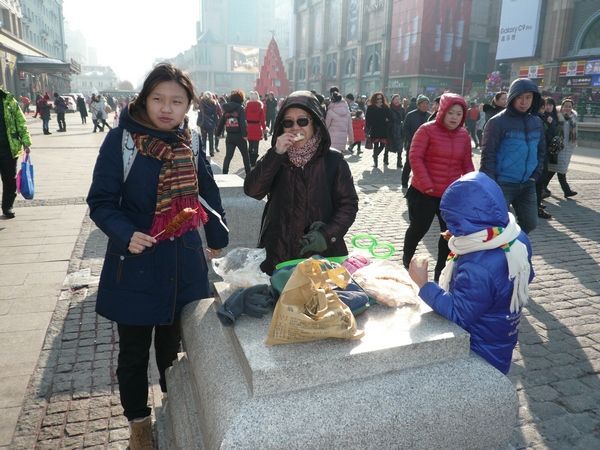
x=313 y=241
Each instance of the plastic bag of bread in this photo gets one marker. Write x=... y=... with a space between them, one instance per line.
x=388 y=283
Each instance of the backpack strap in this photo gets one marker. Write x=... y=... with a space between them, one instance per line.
x=332 y=162
x=130 y=151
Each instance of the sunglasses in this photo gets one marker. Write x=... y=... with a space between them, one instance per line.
x=301 y=122
x=378 y=99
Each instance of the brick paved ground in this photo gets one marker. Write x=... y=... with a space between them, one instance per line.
x=72 y=401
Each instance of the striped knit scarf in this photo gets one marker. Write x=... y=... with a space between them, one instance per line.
x=177 y=182
x=515 y=251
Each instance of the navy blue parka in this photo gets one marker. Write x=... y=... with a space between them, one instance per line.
x=152 y=287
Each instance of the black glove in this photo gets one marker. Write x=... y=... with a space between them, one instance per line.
x=313 y=241
x=254 y=301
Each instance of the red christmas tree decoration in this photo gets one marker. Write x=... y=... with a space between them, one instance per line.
x=272 y=76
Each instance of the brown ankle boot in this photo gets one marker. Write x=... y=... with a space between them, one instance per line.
x=141 y=435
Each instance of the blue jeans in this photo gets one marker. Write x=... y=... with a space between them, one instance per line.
x=523 y=199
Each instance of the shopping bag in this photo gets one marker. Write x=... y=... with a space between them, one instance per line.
x=369 y=143
x=309 y=309
x=25 y=178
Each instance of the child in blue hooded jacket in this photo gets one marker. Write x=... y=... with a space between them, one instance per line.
x=485 y=283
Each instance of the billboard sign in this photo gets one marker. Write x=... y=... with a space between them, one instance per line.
x=429 y=37
x=592 y=66
x=519 y=24
x=572 y=69
x=244 y=59
x=532 y=72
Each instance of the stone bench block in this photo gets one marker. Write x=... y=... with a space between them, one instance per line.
x=411 y=382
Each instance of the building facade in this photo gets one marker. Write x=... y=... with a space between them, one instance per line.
x=233 y=36
x=33 y=46
x=415 y=47
x=94 y=79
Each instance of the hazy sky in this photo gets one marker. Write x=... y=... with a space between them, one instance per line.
x=130 y=34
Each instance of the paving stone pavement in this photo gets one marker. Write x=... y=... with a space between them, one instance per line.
x=72 y=401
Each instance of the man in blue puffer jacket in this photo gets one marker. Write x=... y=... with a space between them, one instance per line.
x=484 y=285
x=513 y=150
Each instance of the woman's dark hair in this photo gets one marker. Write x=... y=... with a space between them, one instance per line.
x=165 y=72
x=372 y=100
x=497 y=97
x=336 y=97
x=550 y=101
x=237 y=96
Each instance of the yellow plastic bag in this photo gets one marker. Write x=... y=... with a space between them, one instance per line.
x=308 y=308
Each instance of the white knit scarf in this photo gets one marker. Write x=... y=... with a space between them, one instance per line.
x=515 y=251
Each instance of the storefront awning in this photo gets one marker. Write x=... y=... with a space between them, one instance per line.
x=39 y=64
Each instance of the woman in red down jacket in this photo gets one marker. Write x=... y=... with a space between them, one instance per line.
x=257 y=127
x=440 y=153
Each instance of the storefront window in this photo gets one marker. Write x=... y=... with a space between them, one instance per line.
x=350 y=62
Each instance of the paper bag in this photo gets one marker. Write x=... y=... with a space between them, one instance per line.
x=308 y=308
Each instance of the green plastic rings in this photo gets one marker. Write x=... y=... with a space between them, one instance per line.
x=373 y=246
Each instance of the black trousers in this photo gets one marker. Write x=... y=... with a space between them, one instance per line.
x=562 y=179
x=134 y=355
x=253 y=151
x=208 y=135
x=407 y=169
x=8 y=173
x=60 y=118
x=472 y=128
x=232 y=141
x=422 y=209
x=271 y=123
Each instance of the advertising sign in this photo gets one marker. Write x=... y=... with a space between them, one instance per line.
x=429 y=37
x=532 y=72
x=595 y=81
x=572 y=69
x=519 y=23
x=244 y=59
x=592 y=66
x=353 y=11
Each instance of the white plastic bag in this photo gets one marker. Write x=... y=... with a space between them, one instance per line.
x=240 y=267
x=388 y=283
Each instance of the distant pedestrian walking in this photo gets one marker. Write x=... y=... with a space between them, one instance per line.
x=234 y=122
x=61 y=108
x=82 y=107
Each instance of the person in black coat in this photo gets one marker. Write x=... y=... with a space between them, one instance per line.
x=413 y=120
x=82 y=107
x=234 y=122
x=271 y=105
x=378 y=119
x=497 y=104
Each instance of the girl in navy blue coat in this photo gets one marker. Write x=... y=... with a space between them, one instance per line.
x=150 y=274
x=485 y=283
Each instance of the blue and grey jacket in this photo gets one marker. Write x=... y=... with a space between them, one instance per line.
x=513 y=146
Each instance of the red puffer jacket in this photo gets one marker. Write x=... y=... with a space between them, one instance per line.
x=358 y=125
x=439 y=156
x=255 y=117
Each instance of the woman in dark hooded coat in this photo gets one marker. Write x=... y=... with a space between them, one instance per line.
x=312 y=201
